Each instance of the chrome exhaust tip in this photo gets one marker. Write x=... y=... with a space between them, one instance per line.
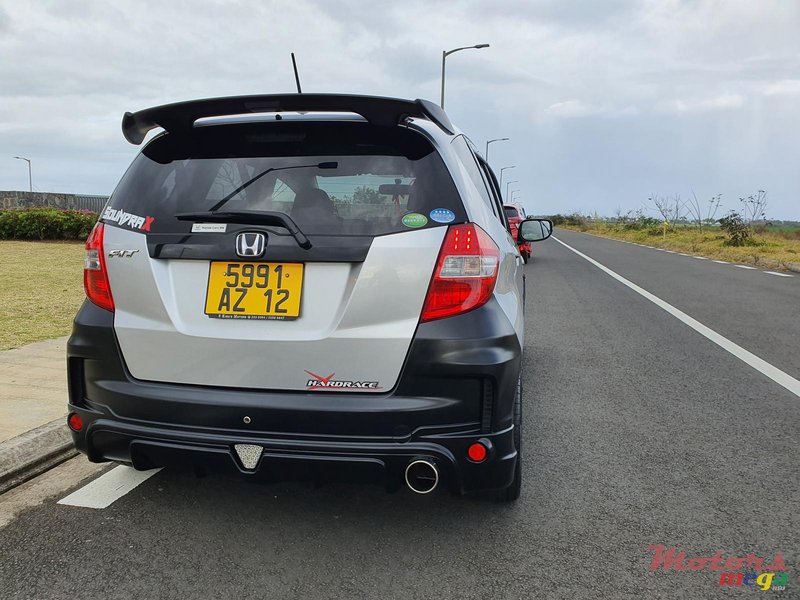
x=422 y=476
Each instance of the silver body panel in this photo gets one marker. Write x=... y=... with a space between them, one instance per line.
x=357 y=320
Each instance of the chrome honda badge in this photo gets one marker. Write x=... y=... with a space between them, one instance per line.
x=250 y=244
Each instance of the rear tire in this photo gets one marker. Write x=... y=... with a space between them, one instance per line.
x=526 y=256
x=512 y=492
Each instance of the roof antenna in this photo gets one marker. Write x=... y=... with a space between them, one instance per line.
x=296 y=76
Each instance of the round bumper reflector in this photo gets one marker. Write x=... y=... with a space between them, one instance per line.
x=477 y=452
x=75 y=422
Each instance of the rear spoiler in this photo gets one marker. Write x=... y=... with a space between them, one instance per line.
x=375 y=109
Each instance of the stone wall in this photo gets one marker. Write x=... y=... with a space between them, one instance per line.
x=51 y=200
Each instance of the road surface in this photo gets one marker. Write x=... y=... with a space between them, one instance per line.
x=638 y=430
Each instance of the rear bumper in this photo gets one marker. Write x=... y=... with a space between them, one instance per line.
x=457 y=387
x=382 y=462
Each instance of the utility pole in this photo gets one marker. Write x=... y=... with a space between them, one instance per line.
x=30 y=177
x=446 y=53
x=489 y=142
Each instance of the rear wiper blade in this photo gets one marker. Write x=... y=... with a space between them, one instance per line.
x=252 y=180
x=250 y=217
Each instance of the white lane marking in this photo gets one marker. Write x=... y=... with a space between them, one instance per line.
x=759 y=364
x=722 y=262
x=700 y=257
x=745 y=267
x=682 y=254
x=108 y=488
x=778 y=274
x=671 y=251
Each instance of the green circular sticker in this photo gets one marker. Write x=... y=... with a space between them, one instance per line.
x=415 y=220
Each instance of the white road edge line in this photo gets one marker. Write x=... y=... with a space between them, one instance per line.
x=108 y=488
x=700 y=257
x=760 y=365
x=745 y=267
x=778 y=274
x=722 y=262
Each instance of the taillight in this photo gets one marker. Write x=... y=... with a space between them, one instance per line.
x=95 y=276
x=465 y=273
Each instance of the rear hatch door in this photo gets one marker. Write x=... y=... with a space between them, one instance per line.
x=230 y=300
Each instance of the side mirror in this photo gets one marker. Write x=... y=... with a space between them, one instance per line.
x=535 y=230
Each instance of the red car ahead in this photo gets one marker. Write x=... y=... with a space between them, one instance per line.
x=515 y=215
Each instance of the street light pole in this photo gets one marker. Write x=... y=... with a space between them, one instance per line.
x=30 y=177
x=501 y=174
x=489 y=142
x=446 y=53
x=508 y=183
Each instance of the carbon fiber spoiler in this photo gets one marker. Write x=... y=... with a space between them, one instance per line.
x=377 y=110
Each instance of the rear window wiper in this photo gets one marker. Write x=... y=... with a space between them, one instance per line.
x=322 y=165
x=257 y=217
x=250 y=217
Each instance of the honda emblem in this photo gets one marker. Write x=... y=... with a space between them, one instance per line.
x=250 y=244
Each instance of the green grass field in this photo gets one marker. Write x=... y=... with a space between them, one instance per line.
x=776 y=248
x=41 y=288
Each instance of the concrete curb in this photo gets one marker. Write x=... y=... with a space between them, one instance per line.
x=34 y=452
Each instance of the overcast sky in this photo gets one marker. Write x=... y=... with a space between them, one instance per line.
x=606 y=101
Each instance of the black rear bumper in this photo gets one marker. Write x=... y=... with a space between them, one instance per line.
x=457 y=387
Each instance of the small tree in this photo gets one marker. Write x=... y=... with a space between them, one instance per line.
x=738 y=231
x=701 y=214
x=671 y=210
x=754 y=207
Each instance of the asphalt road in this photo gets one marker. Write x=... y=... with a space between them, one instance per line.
x=638 y=431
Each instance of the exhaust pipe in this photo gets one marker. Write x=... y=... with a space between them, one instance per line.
x=422 y=476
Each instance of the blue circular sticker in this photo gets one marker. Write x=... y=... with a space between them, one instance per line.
x=442 y=215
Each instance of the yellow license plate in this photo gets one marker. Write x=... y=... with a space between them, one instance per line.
x=250 y=290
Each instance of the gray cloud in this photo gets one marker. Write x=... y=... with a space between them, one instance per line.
x=606 y=101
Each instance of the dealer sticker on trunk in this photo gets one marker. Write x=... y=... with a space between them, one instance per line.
x=209 y=227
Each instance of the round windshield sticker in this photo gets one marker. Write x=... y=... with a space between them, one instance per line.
x=443 y=215
x=415 y=220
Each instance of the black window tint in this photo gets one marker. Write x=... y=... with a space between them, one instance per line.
x=494 y=188
x=381 y=175
x=511 y=212
x=464 y=152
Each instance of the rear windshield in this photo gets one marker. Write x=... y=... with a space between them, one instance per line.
x=511 y=212
x=331 y=178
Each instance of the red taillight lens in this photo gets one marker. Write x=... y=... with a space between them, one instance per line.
x=465 y=273
x=95 y=276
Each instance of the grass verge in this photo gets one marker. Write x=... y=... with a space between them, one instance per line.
x=41 y=289
x=774 y=250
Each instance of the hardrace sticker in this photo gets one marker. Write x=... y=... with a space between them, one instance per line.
x=329 y=383
x=121 y=217
x=415 y=220
x=442 y=215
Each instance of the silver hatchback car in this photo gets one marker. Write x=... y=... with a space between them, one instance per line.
x=304 y=286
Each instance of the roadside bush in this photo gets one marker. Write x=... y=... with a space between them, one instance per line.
x=46 y=224
x=574 y=220
x=739 y=232
x=643 y=222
